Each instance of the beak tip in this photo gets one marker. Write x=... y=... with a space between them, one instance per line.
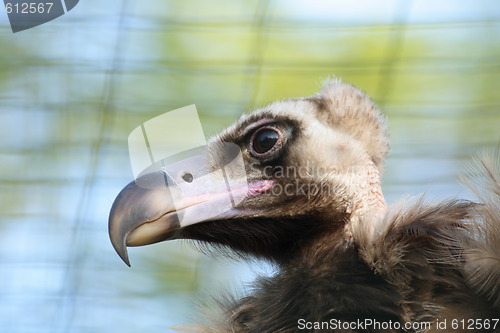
x=119 y=246
x=124 y=256
x=121 y=250
x=127 y=262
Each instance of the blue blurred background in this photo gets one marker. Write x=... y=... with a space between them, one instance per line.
x=73 y=89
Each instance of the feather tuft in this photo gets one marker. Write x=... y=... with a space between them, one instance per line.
x=483 y=259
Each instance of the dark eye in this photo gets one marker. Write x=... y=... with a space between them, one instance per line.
x=264 y=140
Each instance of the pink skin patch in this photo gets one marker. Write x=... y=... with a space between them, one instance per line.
x=259 y=187
x=254 y=190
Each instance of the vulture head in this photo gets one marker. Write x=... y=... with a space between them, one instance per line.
x=312 y=168
x=305 y=194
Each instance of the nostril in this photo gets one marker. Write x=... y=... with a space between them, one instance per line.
x=188 y=177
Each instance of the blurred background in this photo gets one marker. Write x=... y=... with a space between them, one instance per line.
x=73 y=89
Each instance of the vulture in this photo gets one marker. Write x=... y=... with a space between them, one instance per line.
x=308 y=200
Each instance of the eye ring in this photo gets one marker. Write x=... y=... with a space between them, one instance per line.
x=270 y=140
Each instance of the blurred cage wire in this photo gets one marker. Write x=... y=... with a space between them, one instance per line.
x=72 y=89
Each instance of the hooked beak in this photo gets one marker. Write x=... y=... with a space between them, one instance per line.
x=142 y=215
x=156 y=206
